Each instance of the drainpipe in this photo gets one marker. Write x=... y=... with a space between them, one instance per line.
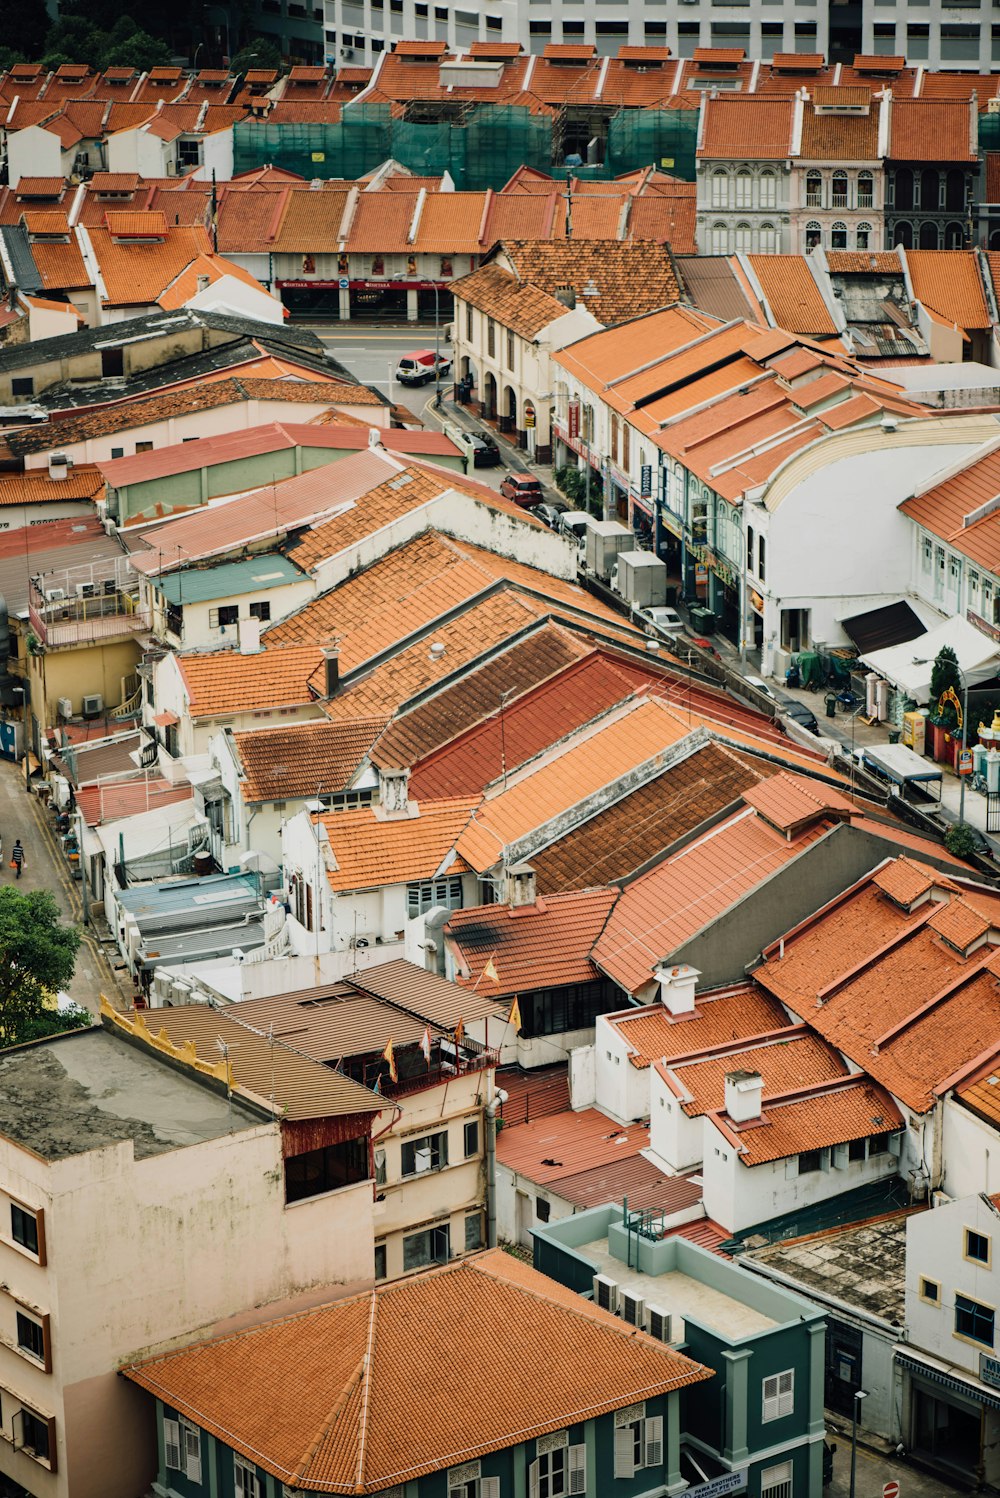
x=490 y=1120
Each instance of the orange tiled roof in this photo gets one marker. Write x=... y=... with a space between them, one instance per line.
x=839 y=137
x=632 y=277
x=524 y=308
x=718 y=1019
x=947 y=282
x=545 y=945
x=942 y=510
x=137 y=273
x=371 y=850
x=296 y=759
x=36 y=488
x=931 y=130
x=315 y=1398
x=745 y=128
x=795 y=299
x=787 y=1060
x=790 y=801
x=665 y=907
x=223 y=682
x=815 y=1119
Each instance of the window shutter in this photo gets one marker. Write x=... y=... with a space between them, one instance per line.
x=652 y=1436
x=172 y=1444
x=625 y=1452
x=533 y=1480
x=770 y=1411
x=786 y=1393
x=489 y=1487
x=192 y=1453
x=577 y=1469
x=50 y=1428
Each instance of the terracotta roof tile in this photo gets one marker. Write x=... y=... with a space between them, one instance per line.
x=223 y=682
x=311 y=222
x=746 y=128
x=61 y=266
x=795 y=299
x=545 y=945
x=959 y=924
x=371 y=849
x=905 y=881
x=942 y=509
x=785 y=1060
x=665 y=907
x=137 y=272
x=370 y=1352
x=840 y=137
x=930 y=130
x=632 y=277
x=948 y=282
x=83 y=482
x=791 y=801
x=294 y=759
x=851 y=1110
x=722 y=1018
x=525 y=308
x=538 y=1093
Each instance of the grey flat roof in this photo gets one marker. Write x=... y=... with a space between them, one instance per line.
x=201 y=584
x=863 y=1266
x=89 y=1089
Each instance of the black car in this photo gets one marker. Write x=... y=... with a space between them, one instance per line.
x=799 y=713
x=485 y=453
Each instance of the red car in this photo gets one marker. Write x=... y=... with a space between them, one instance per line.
x=523 y=490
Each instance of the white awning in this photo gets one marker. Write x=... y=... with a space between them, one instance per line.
x=908 y=666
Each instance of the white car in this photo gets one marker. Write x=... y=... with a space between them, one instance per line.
x=660 y=619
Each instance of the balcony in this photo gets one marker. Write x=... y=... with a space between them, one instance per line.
x=414 y=1073
x=84 y=605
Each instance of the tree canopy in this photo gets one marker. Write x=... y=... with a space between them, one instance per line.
x=37 y=957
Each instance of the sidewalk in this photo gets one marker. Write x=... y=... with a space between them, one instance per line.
x=23 y=816
x=875 y=1469
x=515 y=457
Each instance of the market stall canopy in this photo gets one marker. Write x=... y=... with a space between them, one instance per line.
x=900 y=765
x=908 y=666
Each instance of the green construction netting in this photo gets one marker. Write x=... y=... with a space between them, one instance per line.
x=484 y=150
x=989 y=132
x=653 y=137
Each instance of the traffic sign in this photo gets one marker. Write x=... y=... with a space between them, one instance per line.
x=344 y=284
x=890 y=1490
x=964 y=768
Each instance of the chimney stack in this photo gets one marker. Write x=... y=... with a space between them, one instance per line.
x=394 y=790
x=331 y=660
x=678 y=982
x=249 y=636
x=521 y=885
x=744 y=1090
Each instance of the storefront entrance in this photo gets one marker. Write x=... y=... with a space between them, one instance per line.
x=946 y=1433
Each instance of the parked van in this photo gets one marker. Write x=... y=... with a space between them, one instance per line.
x=417 y=368
x=575 y=523
x=482 y=452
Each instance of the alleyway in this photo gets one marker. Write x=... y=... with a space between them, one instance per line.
x=23 y=816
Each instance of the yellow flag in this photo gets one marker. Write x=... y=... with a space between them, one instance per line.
x=514 y=1018
x=459 y=1031
x=490 y=971
x=389 y=1055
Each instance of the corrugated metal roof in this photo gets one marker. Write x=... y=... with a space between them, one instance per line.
x=199 y=584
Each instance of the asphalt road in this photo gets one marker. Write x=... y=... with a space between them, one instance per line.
x=371 y=353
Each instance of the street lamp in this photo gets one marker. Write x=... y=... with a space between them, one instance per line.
x=924 y=661
x=859 y=1394
x=437 y=335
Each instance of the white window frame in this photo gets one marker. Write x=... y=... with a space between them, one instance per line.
x=191 y=1437
x=778 y=1396
x=776 y=1482
x=247 y=1483
x=172 y=1455
x=572 y=1479
x=633 y=1428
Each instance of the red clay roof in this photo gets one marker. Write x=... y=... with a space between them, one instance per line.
x=221 y=683
x=787 y=1060
x=545 y=945
x=948 y=282
x=813 y=1119
x=931 y=130
x=720 y=1018
x=747 y=128
x=315 y=1398
x=371 y=850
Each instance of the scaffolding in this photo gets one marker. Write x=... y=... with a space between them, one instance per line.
x=666 y=138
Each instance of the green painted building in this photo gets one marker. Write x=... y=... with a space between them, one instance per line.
x=757 y=1427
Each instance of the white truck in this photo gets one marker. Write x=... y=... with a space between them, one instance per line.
x=605 y=539
x=640 y=578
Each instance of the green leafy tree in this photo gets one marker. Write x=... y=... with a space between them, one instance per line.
x=57 y=1022
x=258 y=53
x=961 y=840
x=9 y=56
x=140 y=50
x=37 y=957
x=25 y=25
x=945 y=674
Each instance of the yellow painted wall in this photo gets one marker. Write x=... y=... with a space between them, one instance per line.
x=79 y=673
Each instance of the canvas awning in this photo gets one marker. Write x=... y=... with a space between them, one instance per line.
x=908 y=665
x=901 y=765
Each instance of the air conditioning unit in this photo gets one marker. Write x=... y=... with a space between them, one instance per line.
x=658 y=1323
x=605 y=1293
x=93 y=706
x=110 y=587
x=55 y=595
x=347 y=51
x=64 y=708
x=633 y=1309
x=86 y=590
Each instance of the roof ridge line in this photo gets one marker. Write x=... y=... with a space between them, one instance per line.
x=366 y=1374
x=988 y=952
x=738 y=1044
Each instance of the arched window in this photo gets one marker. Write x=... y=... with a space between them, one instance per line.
x=814 y=236
x=839 y=198
x=744 y=238
x=864 y=236
x=929 y=190
x=768 y=239
x=902 y=233
x=744 y=188
x=838 y=237
x=929 y=237
x=954 y=237
x=866 y=190
x=768 y=189
x=720 y=189
x=720 y=239
x=814 y=190
x=995 y=240
x=902 y=184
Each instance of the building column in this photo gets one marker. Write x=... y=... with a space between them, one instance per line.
x=345 y=304
x=412 y=306
x=817 y=1375
x=734 y=1419
x=672 y=1478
